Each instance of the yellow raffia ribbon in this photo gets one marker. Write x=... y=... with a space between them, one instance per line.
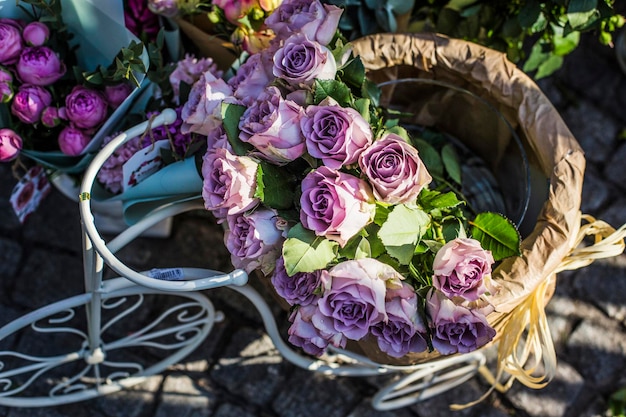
x=525 y=332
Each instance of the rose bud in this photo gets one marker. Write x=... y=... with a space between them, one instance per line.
x=39 y=65
x=10 y=145
x=51 y=117
x=29 y=102
x=36 y=34
x=10 y=41
x=72 y=141
x=86 y=108
x=6 y=92
x=234 y=9
x=167 y=8
x=116 y=94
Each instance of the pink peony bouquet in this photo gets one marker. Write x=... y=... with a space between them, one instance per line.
x=322 y=190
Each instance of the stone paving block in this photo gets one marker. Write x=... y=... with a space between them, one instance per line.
x=596 y=191
x=614 y=169
x=182 y=398
x=74 y=410
x=231 y=410
x=10 y=258
x=598 y=352
x=308 y=394
x=553 y=400
x=134 y=401
x=48 y=277
x=364 y=409
x=594 y=130
x=615 y=214
x=250 y=367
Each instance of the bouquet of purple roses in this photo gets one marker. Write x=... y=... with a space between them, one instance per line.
x=53 y=112
x=323 y=190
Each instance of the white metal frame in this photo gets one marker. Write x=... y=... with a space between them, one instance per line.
x=186 y=324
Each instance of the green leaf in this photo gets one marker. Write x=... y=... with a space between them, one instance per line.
x=305 y=252
x=553 y=63
x=354 y=73
x=430 y=157
x=538 y=56
x=362 y=105
x=402 y=231
x=335 y=89
x=273 y=187
x=459 y=5
x=231 y=113
x=529 y=13
x=356 y=248
x=564 y=45
x=497 y=234
x=430 y=199
x=451 y=163
x=579 y=12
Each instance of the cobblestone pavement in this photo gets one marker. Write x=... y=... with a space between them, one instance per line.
x=237 y=371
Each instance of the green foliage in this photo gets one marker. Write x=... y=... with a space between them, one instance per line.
x=497 y=234
x=305 y=252
x=617 y=403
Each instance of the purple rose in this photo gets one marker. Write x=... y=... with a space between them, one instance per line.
x=6 y=92
x=217 y=139
x=394 y=169
x=317 y=21
x=189 y=70
x=299 y=289
x=10 y=145
x=167 y=8
x=304 y=334
x=229 y=182
x=354 y=297
x=39 y=65
x=86 y=108
x=11 y=43
x=116 y=94
x=456 y=329
x=301 y=61
x=29 y=102
x=254 y=240
x=335 y=134
x=252 y=77
x=460 y=267
x=335 y=204
x=404 y=331
x=72 y=140
x=272 y=125
x=203 y=110
x=36 y=34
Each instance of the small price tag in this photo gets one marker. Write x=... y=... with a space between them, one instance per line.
x=142 y=164
x=167 y=274
x=28 y=193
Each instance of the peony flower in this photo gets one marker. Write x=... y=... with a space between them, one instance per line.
x=335 y=134
x=202 y=111
x=254 y=240
x=456 y=329
x=86 y=108
x=36 y=34
x=111 y=175
x=335 y=204
x=302 y=333
x=354 y=297
x=252 y=77
x=301 y=60
x=116 y=94
x=189 y=70
x=10 y=145
x=140 y=20
x=229 y=182
x=299 y=289
x=394 y=169
x=72 y=140
x=316 y=21
x=39 y=65
x=272 y=125
x=167 y=8
x=11 y=43
x=404 y=331
x=30 y=102
x=51 y=116
x=460 y=267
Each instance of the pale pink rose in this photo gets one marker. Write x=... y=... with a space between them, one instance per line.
x=455 y=328
x=335 y=134
x=36 y=34
x=304 y=334
x=302 y=61
x=202 y=111
x=394 y=169
x=335 y=204
x=252 y=77
x=272 y=125
x=72 y=141
x=229 y=182
x=460 y=267
x=254 y=240
x=315 y=20
x=10 y=145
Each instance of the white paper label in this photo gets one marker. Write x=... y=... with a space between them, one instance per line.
x=167 y=274
x=142 y=164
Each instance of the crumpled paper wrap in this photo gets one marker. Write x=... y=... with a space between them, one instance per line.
x=553 y=219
